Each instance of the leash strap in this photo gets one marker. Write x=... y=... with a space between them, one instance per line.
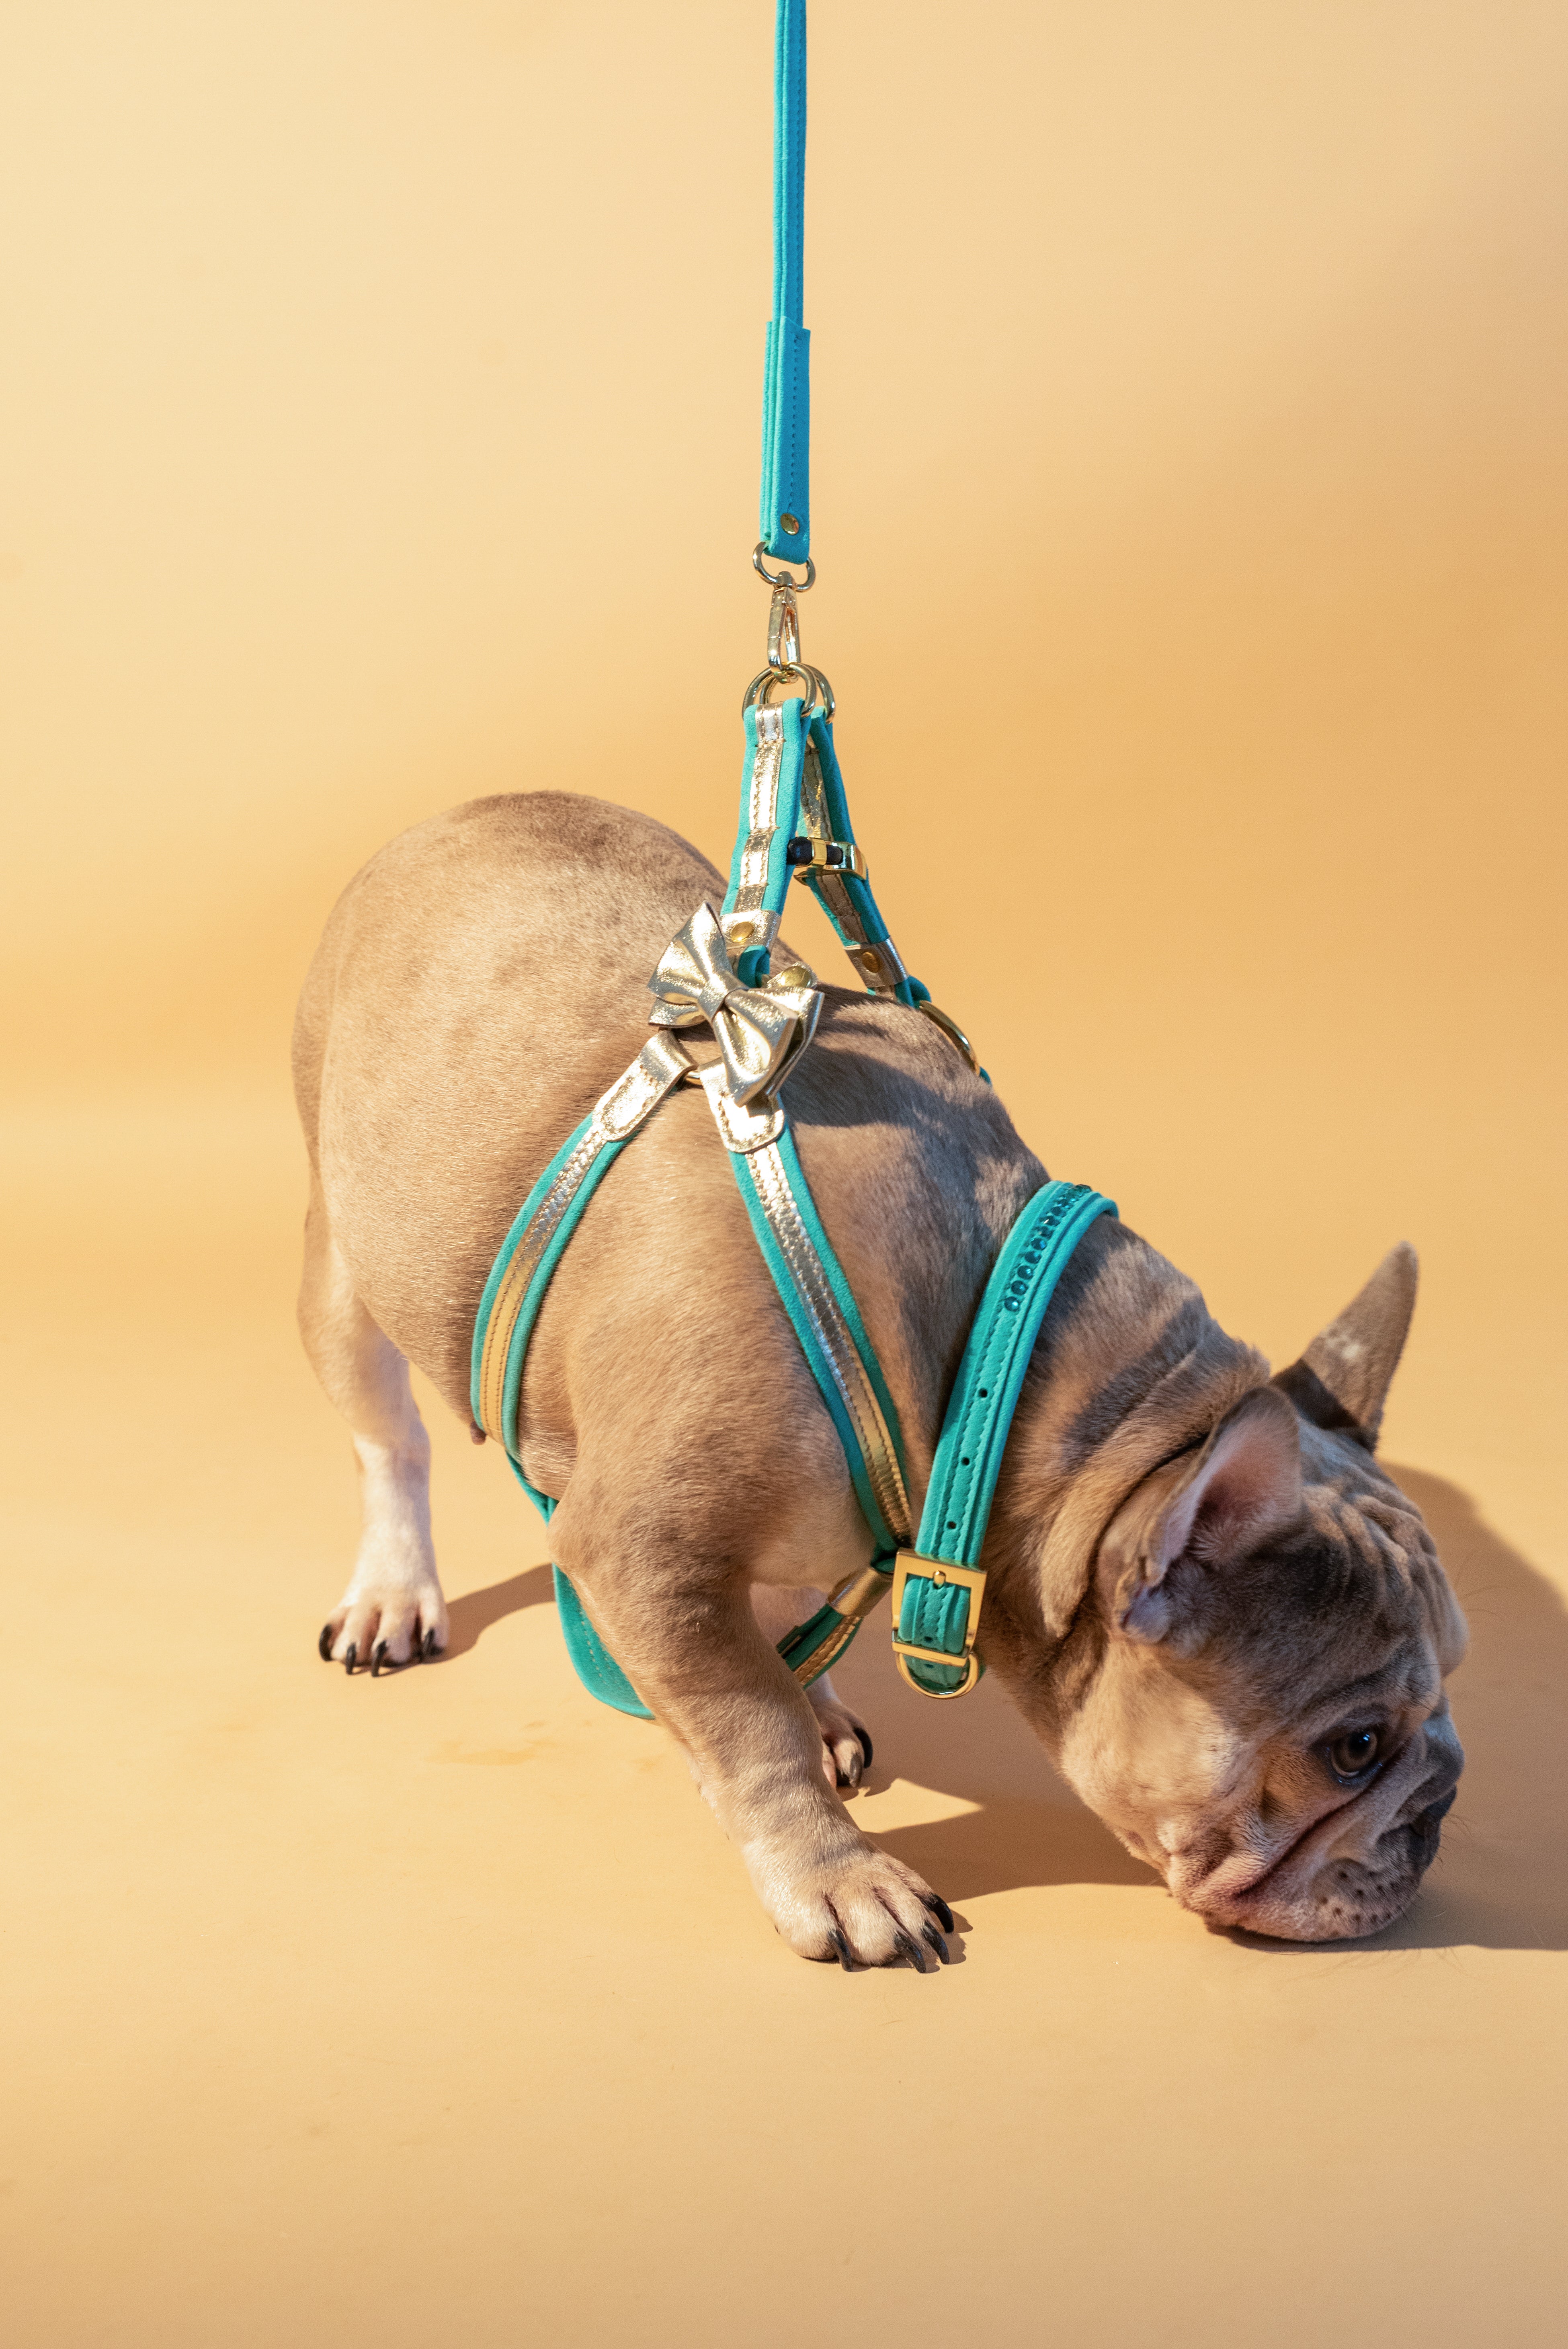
x=795 y=822
x=939 y=1588
x=786 y=504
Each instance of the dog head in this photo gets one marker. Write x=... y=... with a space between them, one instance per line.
x=1260 y=1709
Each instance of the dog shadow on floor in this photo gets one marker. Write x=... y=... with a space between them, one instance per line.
x=1500 y=1879
x=471 y=1616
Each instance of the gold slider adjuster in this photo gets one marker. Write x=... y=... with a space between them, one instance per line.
x=807 y=856
x=939 y=1573
x=859 y=1592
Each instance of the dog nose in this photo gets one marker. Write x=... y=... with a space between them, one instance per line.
x=1445 y=1756
x=1426 y=1828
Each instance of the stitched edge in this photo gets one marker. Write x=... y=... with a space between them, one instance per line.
x=822 y=1312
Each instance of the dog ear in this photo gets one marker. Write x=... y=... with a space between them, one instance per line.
x=1341 y=1380
x=1209 y=1506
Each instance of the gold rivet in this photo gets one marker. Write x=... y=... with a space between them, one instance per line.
x=788 y=522
x=795 y=974
x=870 y=961
x=740 y=934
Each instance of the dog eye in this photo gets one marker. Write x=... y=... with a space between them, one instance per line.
x=1353 y=1754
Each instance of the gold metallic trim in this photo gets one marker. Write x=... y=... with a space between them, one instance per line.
x=854 y=1599
x=827 y=880
x=813 y=795
x=881 y=966
x=661 y=1063
x=832 y=1334
x=823 y=1658
x=615 y=1116
x=540 y=1229
x=761 y=823
x=743 y=1126
x=859 y=1592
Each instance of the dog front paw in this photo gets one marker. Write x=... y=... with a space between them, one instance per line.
x=380 y=1628
x=863 y=1909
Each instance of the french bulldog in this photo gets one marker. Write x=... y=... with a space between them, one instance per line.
x=1228 y=1626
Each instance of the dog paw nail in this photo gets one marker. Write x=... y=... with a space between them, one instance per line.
x=865 y=1737
x=843 y=1948
x=324 y=1645
x=352 y=1658
x=940 y=1911
x=379 y=1657
x=428 y=1648
x=908 y=1947
x=934 y=1942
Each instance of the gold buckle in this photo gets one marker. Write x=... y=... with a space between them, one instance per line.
x=938 y=1572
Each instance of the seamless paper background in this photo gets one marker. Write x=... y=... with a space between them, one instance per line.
x=381 y=431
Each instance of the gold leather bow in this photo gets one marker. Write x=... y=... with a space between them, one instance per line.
x=760 y=1031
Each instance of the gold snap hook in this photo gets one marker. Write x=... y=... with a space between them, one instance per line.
x=784 y=628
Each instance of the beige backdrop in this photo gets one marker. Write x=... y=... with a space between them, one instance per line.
x=1190 y=507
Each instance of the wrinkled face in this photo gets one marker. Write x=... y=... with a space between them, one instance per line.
x=1267 y=1725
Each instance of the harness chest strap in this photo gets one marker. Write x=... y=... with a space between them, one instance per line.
x=816 y=1295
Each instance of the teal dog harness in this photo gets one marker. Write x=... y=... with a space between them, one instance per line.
x=718 y=973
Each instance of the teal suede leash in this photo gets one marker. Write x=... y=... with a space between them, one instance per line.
x=785 y=512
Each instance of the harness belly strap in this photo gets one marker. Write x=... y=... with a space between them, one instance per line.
x=815 y=1293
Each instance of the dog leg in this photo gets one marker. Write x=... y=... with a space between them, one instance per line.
x=846 y=1739
x=706 y=1669
x=392 y=1611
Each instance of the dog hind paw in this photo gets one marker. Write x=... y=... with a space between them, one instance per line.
x=378 y=1631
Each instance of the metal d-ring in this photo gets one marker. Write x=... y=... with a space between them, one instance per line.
x=953 y=1034
x=783 y=578
x=757 y=692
